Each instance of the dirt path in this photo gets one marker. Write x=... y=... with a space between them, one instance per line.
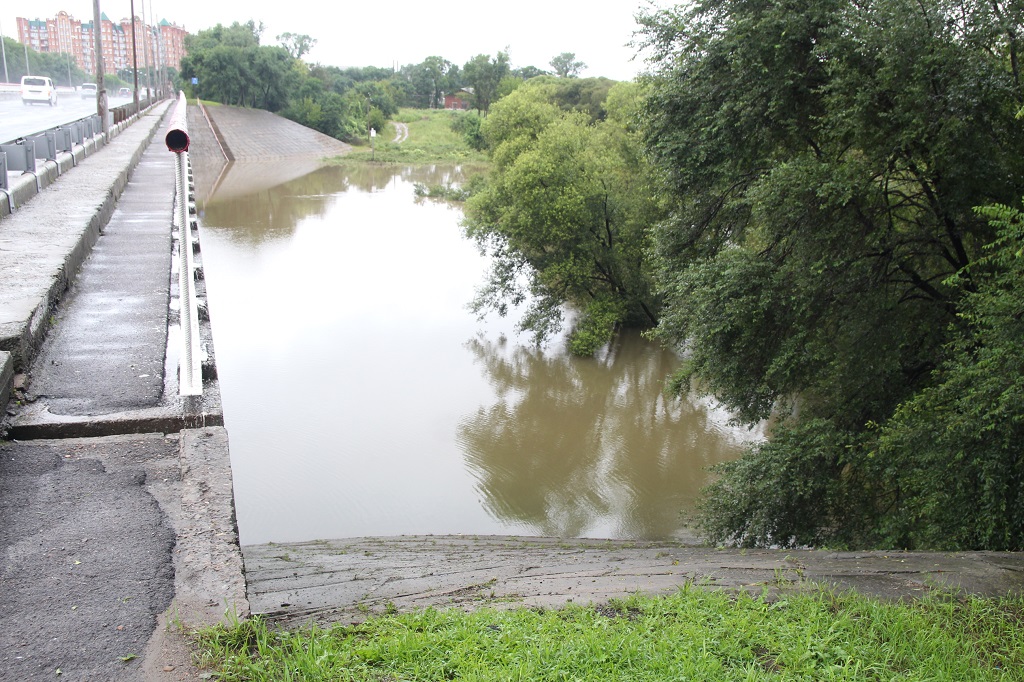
x=401 y=132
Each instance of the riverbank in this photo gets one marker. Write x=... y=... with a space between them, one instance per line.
x=417 y=137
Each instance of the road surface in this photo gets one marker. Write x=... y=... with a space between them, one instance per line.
x=18 y=120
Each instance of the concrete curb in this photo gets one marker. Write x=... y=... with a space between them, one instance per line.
x=6 y=378
x=209 y=578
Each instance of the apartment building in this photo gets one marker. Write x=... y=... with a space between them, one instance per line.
x=160 y=45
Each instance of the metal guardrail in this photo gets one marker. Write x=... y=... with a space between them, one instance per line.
x=21 y=154
x=190 y=372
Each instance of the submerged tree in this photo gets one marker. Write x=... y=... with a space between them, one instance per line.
x=824 y=160
x=565 y=215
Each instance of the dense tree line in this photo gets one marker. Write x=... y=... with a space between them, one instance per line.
x=819 y=204
x=825 y=262
x=232 y=66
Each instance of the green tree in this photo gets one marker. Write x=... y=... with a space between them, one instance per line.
x=379 y=95
x=222 y=59
x=528 y=72
x=566 y=65
x=484 y=74
x=273 y=69
x=297 y=44
x=428 y=81
x=565 y=217
x=824 y=160
x=955 y=449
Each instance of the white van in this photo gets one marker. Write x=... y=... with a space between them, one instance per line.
x=38 y=89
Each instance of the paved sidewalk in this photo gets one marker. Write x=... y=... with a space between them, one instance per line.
x=105 y=350
x=43 y=244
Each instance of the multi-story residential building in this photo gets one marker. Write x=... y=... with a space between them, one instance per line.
x=160 y=45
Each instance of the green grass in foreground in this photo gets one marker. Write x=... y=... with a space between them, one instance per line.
x=431 y=140
x=693 y=635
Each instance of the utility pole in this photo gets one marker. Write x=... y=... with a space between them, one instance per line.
x=28 y=71
x=135 y=65
x=101 y=92
x=145 y=54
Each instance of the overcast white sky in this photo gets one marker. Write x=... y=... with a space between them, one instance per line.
x=401 y=31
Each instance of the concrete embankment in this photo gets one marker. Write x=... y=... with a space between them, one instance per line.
x=242 y=151
x=344 y=580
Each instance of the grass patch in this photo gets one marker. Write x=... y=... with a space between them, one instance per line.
x=692 y=635
x=431 y=140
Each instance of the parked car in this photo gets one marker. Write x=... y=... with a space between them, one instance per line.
x=38 y=89
x=88 y=90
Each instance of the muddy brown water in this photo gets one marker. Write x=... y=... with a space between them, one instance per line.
x=363 y=398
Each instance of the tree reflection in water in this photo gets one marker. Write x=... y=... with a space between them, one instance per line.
x=266 y=201
x=582 y=447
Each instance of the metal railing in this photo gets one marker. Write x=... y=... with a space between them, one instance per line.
x=190 y=371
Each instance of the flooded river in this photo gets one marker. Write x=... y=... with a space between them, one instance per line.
x=362 y=397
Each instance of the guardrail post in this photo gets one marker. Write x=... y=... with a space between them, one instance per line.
x=21 y=156
x=44 y=146
x=190 y=373
x=62 y=139
x=5 y=186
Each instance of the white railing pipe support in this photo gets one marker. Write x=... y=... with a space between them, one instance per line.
x=177 y=139
x=190 y=371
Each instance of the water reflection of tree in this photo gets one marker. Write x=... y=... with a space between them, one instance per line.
x=570 y=443
x=272 y=213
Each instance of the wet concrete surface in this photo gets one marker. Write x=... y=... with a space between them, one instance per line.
x=105 y=351
x=112 y=546
x=344 y=581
